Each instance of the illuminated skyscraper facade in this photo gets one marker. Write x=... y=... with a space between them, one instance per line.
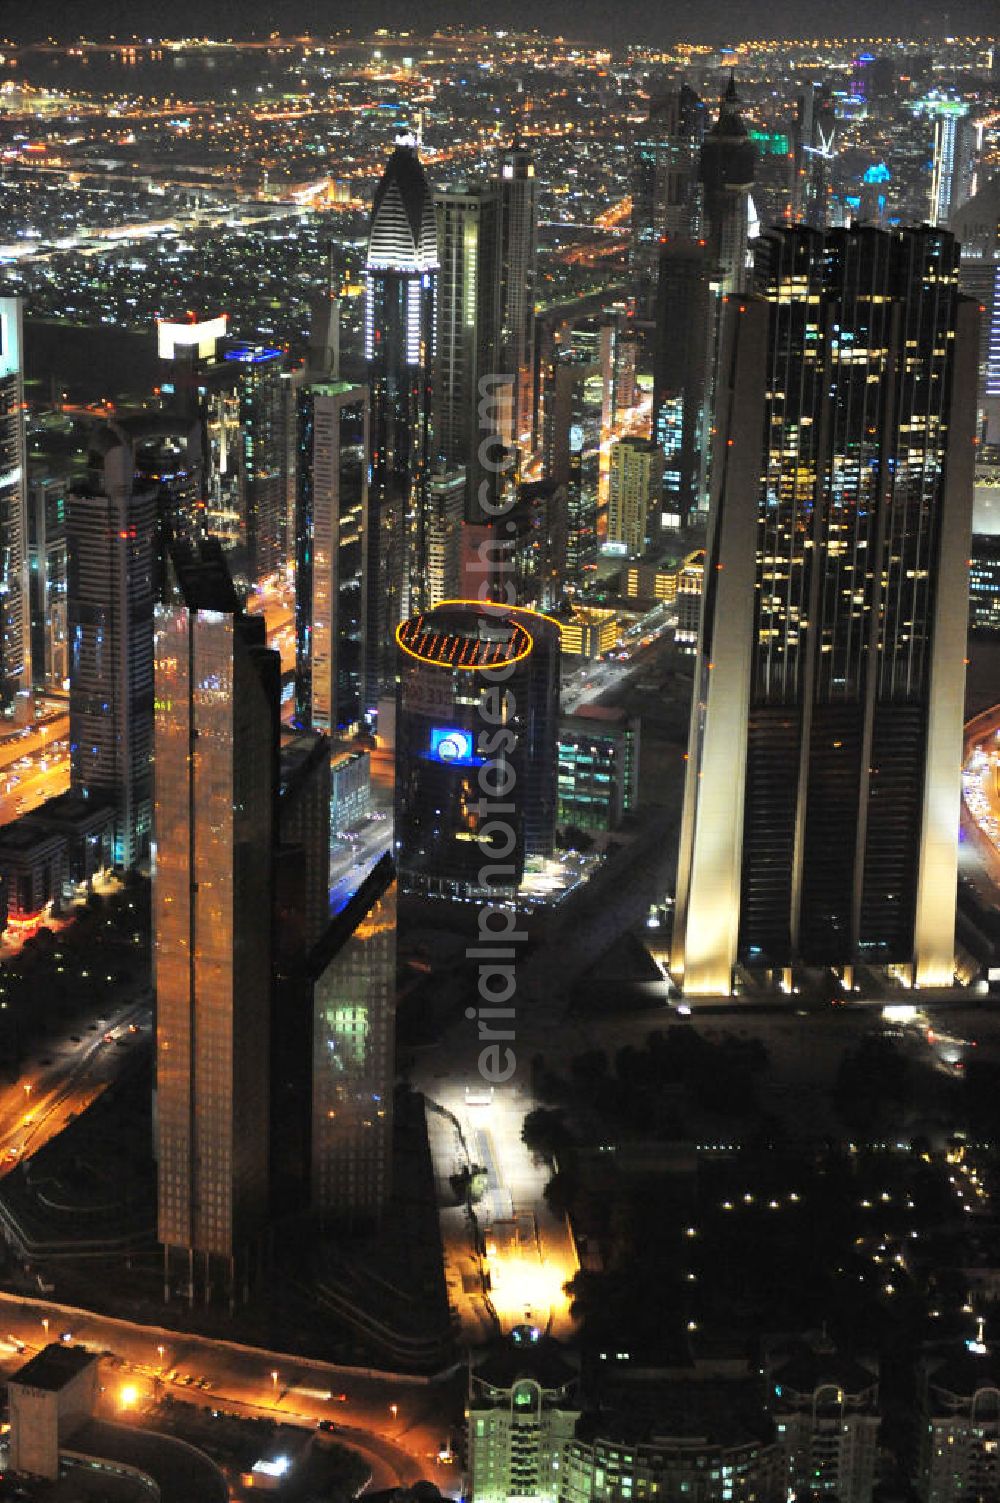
x=518 y=283
x=331 y=516
x=634 y=493
x=260 y=391
x=110 y=592
x=216 y=738
x=821 y=807
x=468 y=336
x=15 y=617
x=401 y=288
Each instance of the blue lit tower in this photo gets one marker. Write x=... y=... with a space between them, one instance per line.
x=401 y=290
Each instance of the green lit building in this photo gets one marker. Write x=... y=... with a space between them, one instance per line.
x=598 y=767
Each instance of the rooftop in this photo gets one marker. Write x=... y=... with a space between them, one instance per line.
x=53 y=1367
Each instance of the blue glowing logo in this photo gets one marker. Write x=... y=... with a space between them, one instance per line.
x=453 y=746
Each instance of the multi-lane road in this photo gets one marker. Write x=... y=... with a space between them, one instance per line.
x=395 y=1422
x=34 y=765
x=68 y=1074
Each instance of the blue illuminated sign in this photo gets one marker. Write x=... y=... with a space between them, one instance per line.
x=252 y=354
x=456 y=747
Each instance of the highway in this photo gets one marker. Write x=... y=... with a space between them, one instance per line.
x=396 y=1421
x=70 y=1073
x=34 y=765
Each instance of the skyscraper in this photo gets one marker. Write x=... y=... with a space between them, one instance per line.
x=518 y=283
x=953 y=158
x=634 y=493
x=682 y=362
x=15 y=617
x=821 y=807
x=666 y=194
x=401 y=286
x=260 y=391
x=468 y=334
x=331 y=515
x=354 y=1001
x=443 y=838
x=216 y=745
x=110 y=590
x=727 y=172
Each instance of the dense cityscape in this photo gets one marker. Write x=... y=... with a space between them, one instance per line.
x=499 y=765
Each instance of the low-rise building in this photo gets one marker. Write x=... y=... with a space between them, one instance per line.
x=676 y=1437
x=598 y=767
x=825 y=1407
x=50 y=1397
x=959 y=1453
x=984 y=585
x=589 y=631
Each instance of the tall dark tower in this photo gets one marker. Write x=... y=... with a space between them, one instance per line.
x=401 y=276
x=468 y=315
x=727 y=172
x=821 y=811
x=518 y=281
x=665 y=187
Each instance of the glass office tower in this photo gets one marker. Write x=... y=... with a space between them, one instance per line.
x=821 y=809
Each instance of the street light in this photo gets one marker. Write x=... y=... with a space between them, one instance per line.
x=162 y=1351
x=274 y=1384
x=394 y=1410
x=45 y=1325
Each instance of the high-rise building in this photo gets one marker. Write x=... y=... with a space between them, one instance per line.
x=217 y=692
x=814 y=153
x=727 y=172
x=826 y=1414
x=15 y=609
x=332 y=513
x=821 y=807
x=401 y=288
x=47 y=582
x=682 y=363
x=540 y=520
x=466 y=412
x=523 y=1409
x=446 y=496
x=572 y=452
x=110 y=532
x=666 y=193
x=354 y=1001
x=953 y=159
x=301 y=918
x=260 y=388
x=444 y=836
x=976 y=226
x=634 y=493
x=518 y=285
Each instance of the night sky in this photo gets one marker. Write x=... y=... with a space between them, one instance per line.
x=589 y=20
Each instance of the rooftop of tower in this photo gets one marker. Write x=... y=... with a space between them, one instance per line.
x=403 y=232
x=468 y=634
